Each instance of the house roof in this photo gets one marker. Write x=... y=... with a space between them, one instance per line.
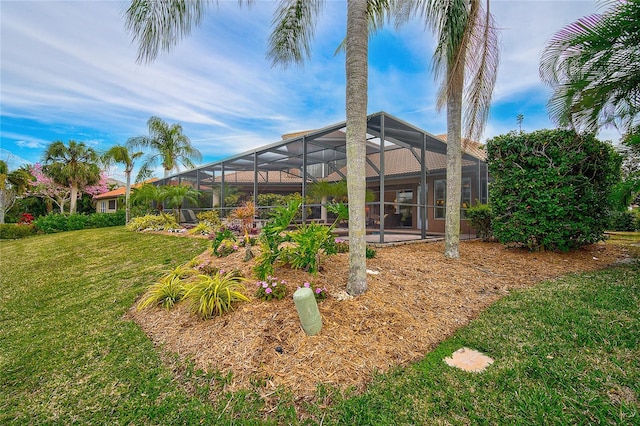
x=119 y=192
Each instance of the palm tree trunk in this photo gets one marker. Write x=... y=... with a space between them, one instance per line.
x=73 y=202
x=2 y=197
x=357 y=74
x=454 y=162
x=127 y=196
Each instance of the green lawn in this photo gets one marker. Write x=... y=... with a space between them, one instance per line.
x=567 y=351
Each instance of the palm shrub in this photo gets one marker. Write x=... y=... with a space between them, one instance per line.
x=309 y=241
x=551 y=188
x=215 y=295
x=272 y=236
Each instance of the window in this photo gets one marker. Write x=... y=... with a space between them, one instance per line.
x=103 y=206
x=440 y=197
x=112 y=204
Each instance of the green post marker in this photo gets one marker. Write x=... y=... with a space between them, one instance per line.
x=307 y=308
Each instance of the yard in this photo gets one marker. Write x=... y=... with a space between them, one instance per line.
x=566 y=349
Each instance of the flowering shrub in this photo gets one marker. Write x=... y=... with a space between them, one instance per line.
x=226 y=247
x=341 y=246
x=221 y=234
x=26 y=219
x=271 y=288
x=320 y=293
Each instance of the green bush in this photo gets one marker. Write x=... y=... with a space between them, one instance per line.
x=622 y=221
x=13 y=231
x=551 y=188
x=76 y=222
x=215 y=295
x=153 y=222
x=480 y=218
x=104 y=220
x=53 y=222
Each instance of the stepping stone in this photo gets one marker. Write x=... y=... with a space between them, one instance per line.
x=469 y=360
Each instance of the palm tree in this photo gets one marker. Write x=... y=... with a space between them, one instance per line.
x=121 y=154
x=170 y=147
x=7 y=194
x=466 y=46
x=176 y=195
x=147 y=194
x=75 y=166
x=156 y=26
x=592 y=66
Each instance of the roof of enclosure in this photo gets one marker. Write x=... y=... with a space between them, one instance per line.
x=283 y=161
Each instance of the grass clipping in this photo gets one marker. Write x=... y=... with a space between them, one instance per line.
x=417 y=300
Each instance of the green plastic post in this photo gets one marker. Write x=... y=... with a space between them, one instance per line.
x=307 y=308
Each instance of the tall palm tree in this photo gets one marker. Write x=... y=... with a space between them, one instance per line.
x=75 y=166
x=592 y=66
x=467 y=47
x=147 y=194
x=122 y=155
x=155 y=26
x=170 y=146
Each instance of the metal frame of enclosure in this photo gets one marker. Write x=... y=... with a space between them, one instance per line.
x=406 y=170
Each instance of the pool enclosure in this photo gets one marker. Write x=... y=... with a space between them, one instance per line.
x=406 y=177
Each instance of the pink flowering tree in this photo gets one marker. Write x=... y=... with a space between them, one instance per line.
x=46 y=187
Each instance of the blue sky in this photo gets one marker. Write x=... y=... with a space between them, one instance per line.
x=69 y=71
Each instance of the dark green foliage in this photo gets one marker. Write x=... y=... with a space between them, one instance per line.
x=480 y=218
x=622 y=221
x=309 y=240
x=276 y=200
x=57 y=222
x=12 y=231
x=221 y=234
x=370 y=253
x=551 y=188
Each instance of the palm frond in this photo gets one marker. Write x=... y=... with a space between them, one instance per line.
x=293 y=30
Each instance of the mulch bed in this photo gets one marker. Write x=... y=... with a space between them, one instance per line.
x=417 y=300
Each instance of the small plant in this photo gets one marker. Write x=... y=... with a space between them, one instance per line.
x=202 y=228
x=341 y=246
x=223 y=233
x=215 y=295
x=370 y=253
x=271 y=288
x=320 y=293
x=166 y=293
x=226 y=247
x=480 y=218
x=153 y=222
x=210 y=216
x=25 y=219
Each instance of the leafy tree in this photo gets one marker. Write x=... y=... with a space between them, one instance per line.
x=176 y=195
x=123 y=155
x=592 y=66
x=12 y=186
x=75 y=165
x=551 y=188
x=467 y=47
x=170 y=147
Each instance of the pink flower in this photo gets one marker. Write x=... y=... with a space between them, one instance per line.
x=307 y=285
x=318 y=290
x=265 y=285
x=268 y=290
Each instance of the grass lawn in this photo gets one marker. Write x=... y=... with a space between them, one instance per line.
x=566 y=351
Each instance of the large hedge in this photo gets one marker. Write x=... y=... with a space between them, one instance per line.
x=550 y=188
x=56 y=222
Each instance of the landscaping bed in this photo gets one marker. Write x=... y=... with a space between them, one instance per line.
x=416 y=300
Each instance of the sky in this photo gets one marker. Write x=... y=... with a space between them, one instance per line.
x=68 y=71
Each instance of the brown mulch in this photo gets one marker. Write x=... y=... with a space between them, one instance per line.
x=417 y=300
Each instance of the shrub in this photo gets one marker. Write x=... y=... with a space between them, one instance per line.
x=202 y=228
x=166 y=293
x=370 y=253
x=309 y=241
x=271 y=288
x=320 y=293
x=104 y=220
x=26 y=219
x=152 y=222
x=551 y=188
x=12 y=231
x=622 y=221
x=215 y=295
x=53 y=222
x=226 y=247
x=209 y=216
x=223 y=233
x=480 y=218
x=76 y=222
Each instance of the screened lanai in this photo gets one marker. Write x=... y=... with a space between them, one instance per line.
x=406 y=177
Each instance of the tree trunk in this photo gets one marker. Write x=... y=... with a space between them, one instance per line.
x=454 y=163
x=73 y=202
x=356 y=104
x=2 y=202
x=127 y=196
